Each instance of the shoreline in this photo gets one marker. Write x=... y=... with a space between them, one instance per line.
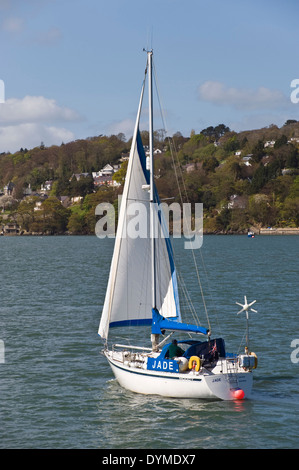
x=262 y=231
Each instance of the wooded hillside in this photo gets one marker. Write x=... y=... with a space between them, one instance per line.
x=243 y=179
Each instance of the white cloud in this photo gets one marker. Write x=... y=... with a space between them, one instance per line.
x=262 y=98
x=28 y=121
x=34 y=109
x=126 y=127
x=13 y=24
x=30 y=135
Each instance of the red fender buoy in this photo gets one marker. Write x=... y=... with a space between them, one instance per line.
x=239 y=394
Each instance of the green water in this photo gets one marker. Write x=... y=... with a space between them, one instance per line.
x=57 y=390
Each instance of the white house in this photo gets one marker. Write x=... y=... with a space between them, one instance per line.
x=246 y=160
x=108 y=170
x=47 y=186
x=147 y=152
x=269 y=143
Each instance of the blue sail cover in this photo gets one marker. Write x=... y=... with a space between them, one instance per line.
x=160 y=323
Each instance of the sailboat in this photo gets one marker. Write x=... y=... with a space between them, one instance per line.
x=143 y=291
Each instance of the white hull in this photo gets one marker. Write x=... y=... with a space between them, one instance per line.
x=204 y=384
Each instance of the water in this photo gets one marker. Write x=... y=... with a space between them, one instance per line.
x=57 y=390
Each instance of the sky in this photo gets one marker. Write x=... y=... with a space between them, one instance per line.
x=73 y=69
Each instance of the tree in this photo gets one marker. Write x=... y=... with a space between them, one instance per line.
x=232 y=144
x=52 y=216
x=210 y=163
x=282 y=140
x=179 y=140
x=223 y=219
x=294 y=189
x=220 y=130
x=120 y=175
x=25 y=213
x=291 y=211
x=76 y=223
x=6 y=201
x=259 y=179
x=292 y=160
x=81 y=187
x=290 y=121
x=258 y=151
x=261 y=210
x=215 y=132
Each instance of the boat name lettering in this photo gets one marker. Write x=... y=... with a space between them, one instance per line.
x=217 y=380
x=162 y=365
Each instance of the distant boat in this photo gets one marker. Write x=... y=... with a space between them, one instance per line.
x=143 y=291
x=250 y=234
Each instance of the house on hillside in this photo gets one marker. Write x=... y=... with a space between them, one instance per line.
x=76 y=199
x=46 y=186
x=237 y=202
x=108 y=170
x=38 y=206
x=78 y=176
x=246 y=160
x=65 y=201
x=104 y=176
x=269 y=143
x=105 y=180
x=27 y=191
x=190 y=167
x=8 y=189
x=293 y=140
x=155 y=151
x=11 y=228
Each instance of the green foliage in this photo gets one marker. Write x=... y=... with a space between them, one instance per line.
x=232 y=144
x=48 y=216
x=294 y=189
x=268 y=183
x=120 y=175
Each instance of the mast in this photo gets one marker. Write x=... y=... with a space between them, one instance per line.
x=151 y=149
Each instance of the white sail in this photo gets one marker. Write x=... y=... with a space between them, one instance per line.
x=129 y=293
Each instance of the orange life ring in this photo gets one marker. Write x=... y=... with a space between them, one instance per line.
x=197 y=363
